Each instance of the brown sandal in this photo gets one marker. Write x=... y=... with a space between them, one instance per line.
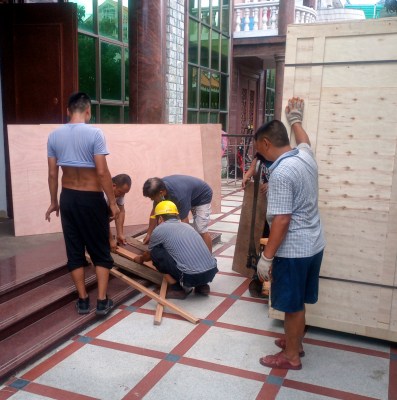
x=281 y=344
x=278 y=361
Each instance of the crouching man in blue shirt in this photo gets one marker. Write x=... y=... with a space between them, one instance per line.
x=179 y=252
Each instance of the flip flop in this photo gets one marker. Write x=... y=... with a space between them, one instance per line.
x=281 y=344
x=278 y=361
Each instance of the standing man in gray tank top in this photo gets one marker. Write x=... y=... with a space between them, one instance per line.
x=80 y=150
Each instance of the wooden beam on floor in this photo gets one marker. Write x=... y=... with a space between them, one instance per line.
x=165 y=303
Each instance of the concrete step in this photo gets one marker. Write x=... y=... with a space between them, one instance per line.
x=36 y=338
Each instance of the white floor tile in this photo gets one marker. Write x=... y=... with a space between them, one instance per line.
x=138 y=330
x=252 y=315
x=99 y=372
x=225 y=226
x=231 y=218
x=184 y=382
x=226 y=284
x=224 y=264
x=234 y=349
x=231 y=203
x=229 y=251
x=343 y=370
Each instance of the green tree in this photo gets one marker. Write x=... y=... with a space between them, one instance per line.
x=391 y=6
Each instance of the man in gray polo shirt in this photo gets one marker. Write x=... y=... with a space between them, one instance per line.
x=178 y=251
x=292 y=257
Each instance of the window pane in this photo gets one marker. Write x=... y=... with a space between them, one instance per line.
x=213 y=118
x=192 y=87
x=126 y=115
x=224 y=54
x=85 y=15
x=110 y=115
x=215 y=91
x=205 y=46
x=93 y=119
x=205 y=12
x=193 y=41
x=215 y=51
x=193 y=7
x=203 y=118
x=223 y=121
x=205 y=90
x=224 y=92
x=110 y=71
x=108 y=18
x=192 y=117
x=87 y=73
x=125 y=21
x=225 y=16
x=215 y=14
x=127 y=74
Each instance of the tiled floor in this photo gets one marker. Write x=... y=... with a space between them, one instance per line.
x=127 y=357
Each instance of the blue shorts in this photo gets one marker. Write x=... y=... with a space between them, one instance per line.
x=295 y=282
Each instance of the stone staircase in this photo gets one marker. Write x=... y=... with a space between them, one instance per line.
x=37 y=303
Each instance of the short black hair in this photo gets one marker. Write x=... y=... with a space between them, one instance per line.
x=121 y=180
x=153 y=186
x=275 y=132
x=78 y=102
x=167 y=217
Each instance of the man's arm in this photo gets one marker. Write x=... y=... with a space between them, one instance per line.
x=53 y=170
x=277 y=234
x=105 y=180
x=120 y=226
x=152 y=225
x=294 y=113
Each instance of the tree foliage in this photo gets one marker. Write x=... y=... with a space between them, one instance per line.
x=391 y=6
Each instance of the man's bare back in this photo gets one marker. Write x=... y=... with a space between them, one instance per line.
x=85 y=179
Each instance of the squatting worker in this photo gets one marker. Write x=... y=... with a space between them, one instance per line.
x=121 y=186
x=189 y=194
x=293 y=254
x=80 y=150
x=178 y=251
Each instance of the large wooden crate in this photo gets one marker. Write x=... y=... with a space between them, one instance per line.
x=347 y=74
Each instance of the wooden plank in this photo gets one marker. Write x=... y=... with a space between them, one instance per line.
x=184 y=314
x=138 y=269
x=137 y=244
x=159 y=309
x=244 y=229
x=131 y=256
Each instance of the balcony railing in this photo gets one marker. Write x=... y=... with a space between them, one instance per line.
x=260 y=18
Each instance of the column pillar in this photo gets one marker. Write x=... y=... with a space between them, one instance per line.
x=279 y=84
x=147 y=51
x=286 y=15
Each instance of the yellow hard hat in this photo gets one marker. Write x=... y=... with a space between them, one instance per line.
x=165 y=207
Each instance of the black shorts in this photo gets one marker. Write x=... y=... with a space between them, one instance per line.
x=85 y=225
x=167 y=265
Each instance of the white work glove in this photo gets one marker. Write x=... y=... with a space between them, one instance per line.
x=262 y=268
x=294 y=110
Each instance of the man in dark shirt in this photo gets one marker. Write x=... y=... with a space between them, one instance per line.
x=189 y=194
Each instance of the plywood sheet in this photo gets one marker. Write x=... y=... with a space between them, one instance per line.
x=244 y=229
x=331 y=312
x=142 y=151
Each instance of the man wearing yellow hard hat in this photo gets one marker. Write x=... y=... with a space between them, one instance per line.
x=179 y=252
